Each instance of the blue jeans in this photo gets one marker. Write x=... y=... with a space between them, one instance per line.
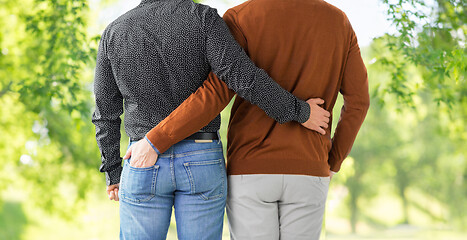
x=189 y=176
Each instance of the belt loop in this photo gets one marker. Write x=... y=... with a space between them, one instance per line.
x=129 y=144
x=218 y=137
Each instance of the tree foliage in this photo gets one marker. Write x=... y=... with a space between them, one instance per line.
x=45 y=95
x=431 y=35
x=415 y=138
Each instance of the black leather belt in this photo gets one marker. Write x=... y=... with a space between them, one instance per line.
x=203 y=136
x=198 y=136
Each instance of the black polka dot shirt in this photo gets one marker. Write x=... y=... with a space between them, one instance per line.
x=154 y=56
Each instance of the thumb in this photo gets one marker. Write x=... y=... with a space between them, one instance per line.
x=319 y=101
x=315 y=101
x=127 y=154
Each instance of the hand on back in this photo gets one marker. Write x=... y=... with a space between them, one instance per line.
x=319 y=117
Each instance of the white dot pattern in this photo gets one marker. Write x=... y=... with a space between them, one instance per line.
x=154 y=56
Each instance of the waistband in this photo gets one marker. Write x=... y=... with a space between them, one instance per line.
x=196 y=136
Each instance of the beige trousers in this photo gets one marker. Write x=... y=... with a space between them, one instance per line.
x=273 y=207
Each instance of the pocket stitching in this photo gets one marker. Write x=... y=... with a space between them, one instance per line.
x=190 y=176
x=221 y=194
x=192 y=182
x=138 y=169
x=198 y=152
x=201 y=163
x=155 y=169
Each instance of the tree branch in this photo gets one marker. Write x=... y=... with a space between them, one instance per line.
x=6 y=89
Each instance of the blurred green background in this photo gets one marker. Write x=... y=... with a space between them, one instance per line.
x=404 y=179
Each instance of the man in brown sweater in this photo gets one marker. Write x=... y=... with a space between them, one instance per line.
x=279 y=173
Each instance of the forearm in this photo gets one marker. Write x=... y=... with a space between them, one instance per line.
x=264 y=92
x=108 y=140
x=193 y=114
x=344 y=136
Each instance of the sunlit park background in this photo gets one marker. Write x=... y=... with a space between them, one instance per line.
x=406 y=177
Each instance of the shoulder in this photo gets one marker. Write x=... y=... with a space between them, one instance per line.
x=125 y=20
x=239 y=8
x=335 y=13
x=205 y=10
x=205 y=13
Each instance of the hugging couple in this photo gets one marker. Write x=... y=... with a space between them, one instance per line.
x=173 y=65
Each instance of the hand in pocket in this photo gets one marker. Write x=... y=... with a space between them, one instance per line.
x=142 y=154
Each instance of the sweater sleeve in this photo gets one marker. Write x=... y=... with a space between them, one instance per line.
x=354 y=88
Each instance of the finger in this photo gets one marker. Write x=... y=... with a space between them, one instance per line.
x=324 y=112
x=320 y=130
x=316 y=100
x=127 y=154
x=324 y=125
x=109 y=189
x=112 y=195
x=134 y=163
x=319 y=101
x=134 y=159
x=326 y=119
x=317 y=129
x=138 y=164
x=116 y=195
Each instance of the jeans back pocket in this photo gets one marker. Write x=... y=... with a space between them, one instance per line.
x=207 y=178
x=138 y=184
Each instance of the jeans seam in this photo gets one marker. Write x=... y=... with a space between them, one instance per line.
x=172 y=171
x=190 y=176
x=196 y=152
x=153 y=186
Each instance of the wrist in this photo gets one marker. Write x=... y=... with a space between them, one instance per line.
x=304 y=111
x=152 y=145
x=112 y=177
